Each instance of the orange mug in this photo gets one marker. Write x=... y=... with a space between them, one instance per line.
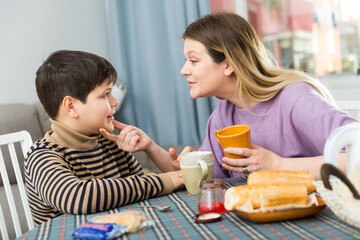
x=234 y=136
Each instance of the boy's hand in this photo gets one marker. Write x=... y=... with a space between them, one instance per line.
x=130 y=139
x=174 y=157
x=176 y=178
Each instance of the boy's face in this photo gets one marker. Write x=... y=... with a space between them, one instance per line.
x=98 y=111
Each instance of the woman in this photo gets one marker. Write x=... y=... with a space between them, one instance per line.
x=289 y=113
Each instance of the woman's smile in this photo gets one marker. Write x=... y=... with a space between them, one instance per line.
x=191 y=83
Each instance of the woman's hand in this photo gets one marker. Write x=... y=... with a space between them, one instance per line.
x=255 y=159
x=130 y=139
x=174 y=157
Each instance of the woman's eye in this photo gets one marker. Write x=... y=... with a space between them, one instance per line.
x=192 y=61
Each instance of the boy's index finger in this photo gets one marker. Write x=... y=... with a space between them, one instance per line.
x=119 y=125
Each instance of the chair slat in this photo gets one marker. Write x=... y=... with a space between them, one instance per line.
x=9 y=195
x=24 y=138
x=4 y=233
x=19 y=178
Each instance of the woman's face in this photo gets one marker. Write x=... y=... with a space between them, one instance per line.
x=205 y=77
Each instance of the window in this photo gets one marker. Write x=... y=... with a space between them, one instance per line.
x=316 y=36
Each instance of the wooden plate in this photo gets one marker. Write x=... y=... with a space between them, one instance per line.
x=283 y=215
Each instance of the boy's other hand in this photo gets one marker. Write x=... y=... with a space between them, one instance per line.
x=174 y=157
x=130 y=138
x=177 y=179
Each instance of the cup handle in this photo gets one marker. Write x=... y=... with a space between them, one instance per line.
x=329 y=169
x=216 y=135
x=204 y=170
x=340 y=137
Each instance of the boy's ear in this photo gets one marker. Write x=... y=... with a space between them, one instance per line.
x=70 y=107
x=228 y=68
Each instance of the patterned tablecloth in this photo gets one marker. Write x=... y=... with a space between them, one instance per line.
x=178 y=223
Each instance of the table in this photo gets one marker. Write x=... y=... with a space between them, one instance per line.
x=178 y=223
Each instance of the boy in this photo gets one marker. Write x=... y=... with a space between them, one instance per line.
x=74 y=169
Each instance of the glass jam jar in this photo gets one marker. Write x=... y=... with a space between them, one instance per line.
x=212 y=194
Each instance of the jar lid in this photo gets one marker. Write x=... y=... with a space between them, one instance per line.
x=207 y=217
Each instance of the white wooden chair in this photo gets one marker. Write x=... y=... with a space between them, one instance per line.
x=351 y=107
x=3 y=229
x=24 y=138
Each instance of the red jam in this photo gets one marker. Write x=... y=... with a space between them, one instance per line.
x=206 y=207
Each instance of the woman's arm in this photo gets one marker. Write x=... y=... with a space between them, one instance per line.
x=312 y=164
x=258 y=158
x=166 y=161
x=159 y=156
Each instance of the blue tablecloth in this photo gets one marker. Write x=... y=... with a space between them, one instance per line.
x=178 y=223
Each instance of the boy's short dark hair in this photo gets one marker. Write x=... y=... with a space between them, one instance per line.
x=70 y=73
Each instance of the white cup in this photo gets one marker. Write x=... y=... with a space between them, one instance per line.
x=196 y=167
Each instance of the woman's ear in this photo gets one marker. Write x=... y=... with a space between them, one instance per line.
x=228 y=68
x=69 y=106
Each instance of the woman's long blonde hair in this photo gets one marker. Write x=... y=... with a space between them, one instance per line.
x=229 y=36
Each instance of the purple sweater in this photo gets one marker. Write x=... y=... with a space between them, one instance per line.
x=294 y=123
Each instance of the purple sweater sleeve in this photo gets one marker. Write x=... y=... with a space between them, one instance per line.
x=294 y=123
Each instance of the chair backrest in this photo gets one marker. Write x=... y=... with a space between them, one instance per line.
x=24 y=138
x=3 y=229
x=351 y=107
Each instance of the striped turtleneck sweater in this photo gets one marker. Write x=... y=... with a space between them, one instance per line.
x=66 y=172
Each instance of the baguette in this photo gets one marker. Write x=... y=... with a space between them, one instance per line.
x=282 y=177
x=266 y=196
